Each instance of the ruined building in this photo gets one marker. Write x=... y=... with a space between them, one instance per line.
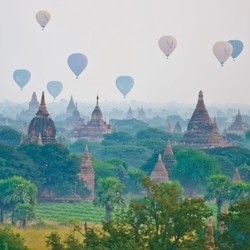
x=87 y=174
x=201 y=131
x=159 y=173
x=94 y=129
x=42 y=129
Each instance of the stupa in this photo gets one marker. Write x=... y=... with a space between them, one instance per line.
x=201 y=131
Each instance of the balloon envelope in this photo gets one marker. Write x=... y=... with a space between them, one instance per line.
x=124 y=84
x=21 y=77
x=77 y=63
x=54 y=88
x=43 y=17
x=167 y=44
x=222 y=51
x=237 y=47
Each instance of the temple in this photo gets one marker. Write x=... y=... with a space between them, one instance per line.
x=71 y=106
x=236 y=177
x=42 y=129
x=87 y=174
x=33 y=107
x=168 y=158
x=201 y=131
x=238 y=127
x=95 y=129
x=159 y=173
x=130 y=114
x=141 y=114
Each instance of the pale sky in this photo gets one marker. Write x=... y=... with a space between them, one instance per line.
x=120 y=37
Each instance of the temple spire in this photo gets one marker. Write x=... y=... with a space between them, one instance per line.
x=97 y=101
x=42 y=108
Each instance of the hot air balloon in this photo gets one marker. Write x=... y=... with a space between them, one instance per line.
x=124 y=84
x=21 y=77
x=43 y=18
x=222 y=51
x=167 y=44
x=77 y=63
x=237 y=47
x=54 y=88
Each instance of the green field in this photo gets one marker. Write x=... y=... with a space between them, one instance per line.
x=67 y=213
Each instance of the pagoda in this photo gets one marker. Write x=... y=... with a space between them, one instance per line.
x=168 y=157
x=201 y=131
x=141 y=114
x=238 y=127
x=236 y=176
x=87 y=174
x=159 y=173
x=130 y=114
x=95 y=129
x=71 y=106
x=177 y=128
x=33 y=107
x=42 y=129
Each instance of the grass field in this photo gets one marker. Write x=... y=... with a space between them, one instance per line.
x=60 y=217
x=65 y=213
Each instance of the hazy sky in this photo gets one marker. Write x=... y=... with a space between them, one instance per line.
x=120 y=37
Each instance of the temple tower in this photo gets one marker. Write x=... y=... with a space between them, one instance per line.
x=129 y=114
x=201 y=131
x=71 y=106
x=42 y=129
x=236 y=176
x=87 y=174
x=159 y=173
x=168 y=157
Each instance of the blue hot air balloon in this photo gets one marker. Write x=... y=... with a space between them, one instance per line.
x=124 y=84
x=237 y=47
x=21 y=77
x=77 y=63
x=54 y=88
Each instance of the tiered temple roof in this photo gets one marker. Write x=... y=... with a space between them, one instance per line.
x=201 y=131
x=94 y=129
x=42 y=128
x=238 y=126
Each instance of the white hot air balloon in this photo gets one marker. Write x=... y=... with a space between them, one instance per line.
x=43 y=18
x=167 y=44
x=222 y=51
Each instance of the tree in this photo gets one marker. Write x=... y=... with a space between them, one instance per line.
x=160 y=220
x=222 y=189
x=193 y=168
x=108 y=195
x=15 y=191
x=236 y=227
x=218 y=188
x=25 y=212
x=9 y=136
x=57 y=167
x=10 y=240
